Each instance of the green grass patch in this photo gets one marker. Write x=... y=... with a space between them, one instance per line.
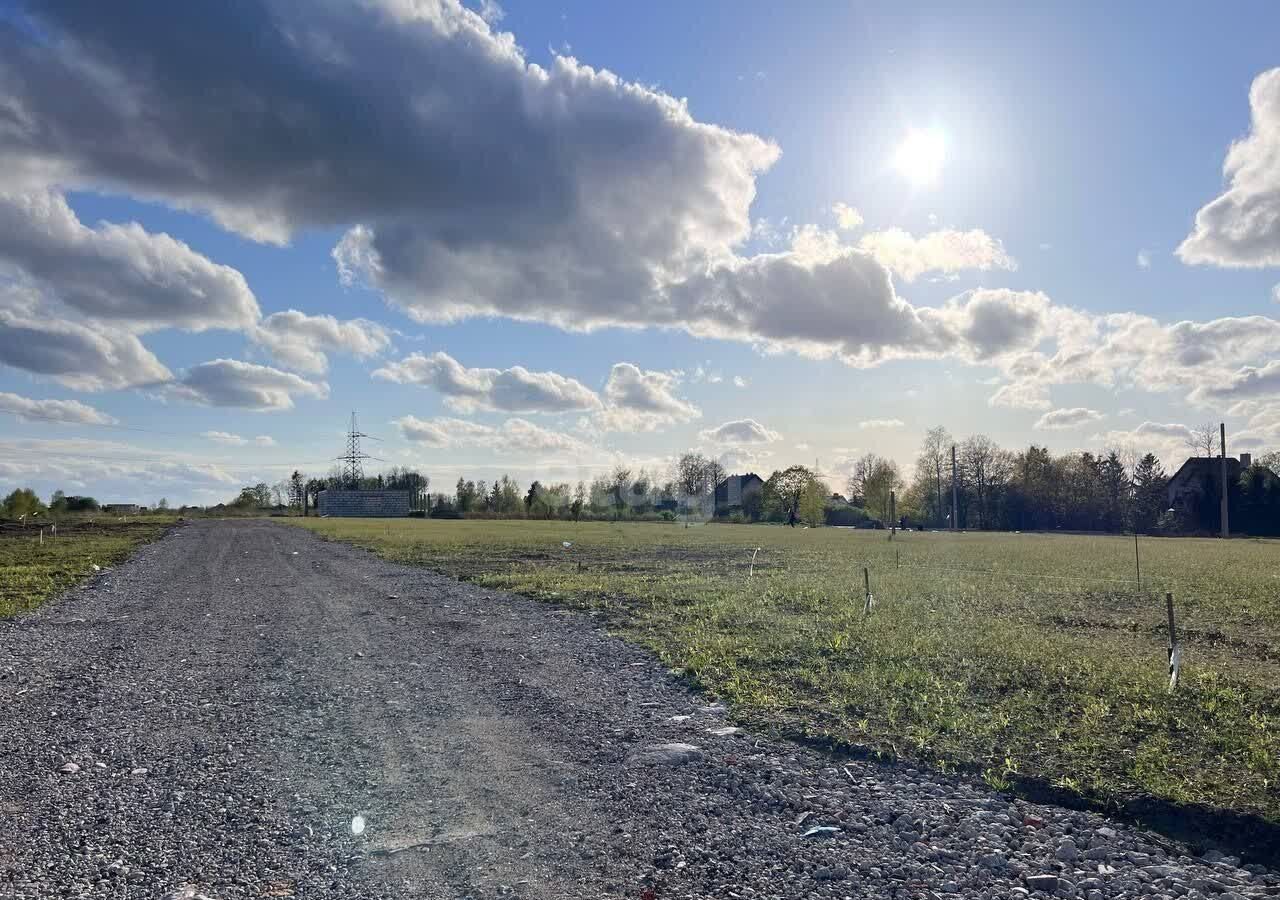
x=32 y=570
x=1013 y=656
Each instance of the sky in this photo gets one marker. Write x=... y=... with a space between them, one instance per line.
x=545 y=239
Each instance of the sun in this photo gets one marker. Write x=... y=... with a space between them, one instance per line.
x=920 y=156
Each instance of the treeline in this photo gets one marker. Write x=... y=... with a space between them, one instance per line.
x=1033 y=489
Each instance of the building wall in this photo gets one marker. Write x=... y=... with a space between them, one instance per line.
x=366 y=504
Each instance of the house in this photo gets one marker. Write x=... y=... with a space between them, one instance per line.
x=1200 y=477
x=735 y=493
x=1195 y=493
x=122 y=509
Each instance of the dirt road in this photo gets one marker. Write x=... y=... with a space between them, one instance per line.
x=221 y=715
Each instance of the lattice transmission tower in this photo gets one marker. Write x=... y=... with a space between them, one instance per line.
x=352 y=467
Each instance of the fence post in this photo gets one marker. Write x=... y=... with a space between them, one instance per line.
x=1175 y=652
x=1137 y=562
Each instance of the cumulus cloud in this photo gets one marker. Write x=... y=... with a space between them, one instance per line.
x=740 y=431
x=847 y=218
x=640 y=400
x=230 y=382
x=514 y=436
x=945 y=251
x=234 y=440
x=1241 y=227
x=1246 y=383
x=1060 y=419
x=71 y=412
x=511 y=390
x=1144 y=259
x=881 y=424
x=76 y=355
x=224 y=437
x=301 y=341
x=470 y=181
x=739 y=381
x=118 y=273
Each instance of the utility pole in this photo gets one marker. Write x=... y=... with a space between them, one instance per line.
x=893 y=513
x=1222 y=433
x=955 y=493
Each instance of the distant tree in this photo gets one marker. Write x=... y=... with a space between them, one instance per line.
x=262 y=494
x=579 y=501
x=1150 y=494
x=58 y=502
x=1203 y=439
x=533 y=498
x=297 y=490
x=812 y=506
x=619 y=488
x=22 y=502
x=927 y=486
x=1269 y=460
x=873 y=480
x=783 y=491
x=162 y=505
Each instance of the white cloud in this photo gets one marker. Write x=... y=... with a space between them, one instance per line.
x=739 y=381
x=81 y=357
x=847 y=218
x=301 y=341
x=946 y=251
x=230 y=382
x=492 y=12
x=119 y=273
x=640 y=400
x=1060 y=419
x=514 y=436
x=1021 y=395
x=882 y=424
x=224 y=437
x=740 y=431
x=510 y=390
x=1144 y=259
x=234 y=440
x=71 y=412
x=1168 y=441
x=1275 y=294
x=1241 y=228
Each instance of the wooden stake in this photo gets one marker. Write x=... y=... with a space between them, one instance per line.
x=1175 y=652
x=866 y=579
x=1137 y=562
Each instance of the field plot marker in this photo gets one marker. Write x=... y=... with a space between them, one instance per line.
x=1137 y=562
x=752 y=572
x=866 y=579
x=1175 y=652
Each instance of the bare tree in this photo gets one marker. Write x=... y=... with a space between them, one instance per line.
x=1202 y=439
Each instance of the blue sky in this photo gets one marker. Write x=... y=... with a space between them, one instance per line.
x=1028 y=285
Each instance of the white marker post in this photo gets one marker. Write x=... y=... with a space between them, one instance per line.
x=1175 y=651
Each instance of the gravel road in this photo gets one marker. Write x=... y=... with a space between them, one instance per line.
x=209 y=719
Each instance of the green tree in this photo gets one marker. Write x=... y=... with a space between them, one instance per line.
x=1150 y=494
x=22 y=502
x=783 y=491
x=812 y=506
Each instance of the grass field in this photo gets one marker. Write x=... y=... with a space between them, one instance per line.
x=1030 y=659
x=31 y=571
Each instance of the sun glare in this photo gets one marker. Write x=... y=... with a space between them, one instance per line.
x=920 y=156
